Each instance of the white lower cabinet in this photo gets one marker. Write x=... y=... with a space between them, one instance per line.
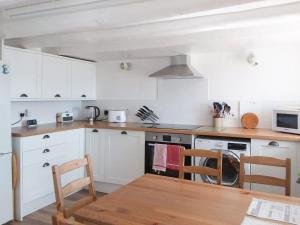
x=95 y=148
x=280 y=150
x=124 y=156
x=36 y=155
x=117 y=156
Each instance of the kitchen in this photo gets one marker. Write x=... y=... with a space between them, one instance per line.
x=242 y=53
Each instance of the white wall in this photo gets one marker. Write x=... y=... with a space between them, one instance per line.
x=176 y=101
x=273 y=83
x=44 y=112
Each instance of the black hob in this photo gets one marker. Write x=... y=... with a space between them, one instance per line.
x=172 y=126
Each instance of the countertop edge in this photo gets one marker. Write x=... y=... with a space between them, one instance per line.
x=263 y=134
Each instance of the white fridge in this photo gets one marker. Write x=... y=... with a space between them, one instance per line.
x=6 y=193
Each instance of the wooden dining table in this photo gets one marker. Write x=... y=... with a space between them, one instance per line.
x=158 y=200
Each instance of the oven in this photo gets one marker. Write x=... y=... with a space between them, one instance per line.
x=153 y=138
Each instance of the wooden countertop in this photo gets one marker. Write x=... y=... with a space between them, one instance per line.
x=153 y=199
x=227 y=132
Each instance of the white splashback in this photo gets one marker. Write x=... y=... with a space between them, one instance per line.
x=178 y=101
x=45 y=112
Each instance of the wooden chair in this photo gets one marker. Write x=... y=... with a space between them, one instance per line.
x=262 y=179
x=61 y=192
x=59 y=219
x=200 y=169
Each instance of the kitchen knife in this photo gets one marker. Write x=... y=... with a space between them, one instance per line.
x=151 y=111
x=147 y=115
x=140 y=116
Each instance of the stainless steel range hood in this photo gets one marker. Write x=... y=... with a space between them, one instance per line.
x=180 y=68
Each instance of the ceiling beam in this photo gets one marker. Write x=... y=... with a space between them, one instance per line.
x=129 y=13
x=254 y=18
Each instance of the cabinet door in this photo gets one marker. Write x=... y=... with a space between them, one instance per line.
x=83 y=80
x=94 y=147
x=276 y=149
x=55 y=77
x=25 y=73
x=38 y=177
x=74 y=149
x=124 y=156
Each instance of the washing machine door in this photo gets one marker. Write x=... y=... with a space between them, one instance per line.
x=230 y=169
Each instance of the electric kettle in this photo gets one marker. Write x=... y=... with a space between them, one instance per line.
x=94 y=112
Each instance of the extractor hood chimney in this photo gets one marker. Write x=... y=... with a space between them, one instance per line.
x=180 y=68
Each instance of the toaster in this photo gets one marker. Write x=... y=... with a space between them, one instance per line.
x=65 y=117
x=117 y=116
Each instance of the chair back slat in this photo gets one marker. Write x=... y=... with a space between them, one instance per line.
x=72 y=165
x=262 y=179
x=76 y=185
x=201 y=153
x=267 y=161
x=201 y=169
x=61 y=192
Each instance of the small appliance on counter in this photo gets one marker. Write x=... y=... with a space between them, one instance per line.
x=31 y=123
x=65 y=117
x=117 y=116
x=286 y=120
x=94 y=112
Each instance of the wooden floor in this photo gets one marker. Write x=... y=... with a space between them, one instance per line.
x=43 y=216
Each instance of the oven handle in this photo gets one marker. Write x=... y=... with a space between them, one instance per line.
x=151 y=144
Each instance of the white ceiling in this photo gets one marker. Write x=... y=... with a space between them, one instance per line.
x=119 y=29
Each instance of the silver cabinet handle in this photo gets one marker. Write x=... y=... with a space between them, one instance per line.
x=274 y=144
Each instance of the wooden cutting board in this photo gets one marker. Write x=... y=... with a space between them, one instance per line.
x=250 y=120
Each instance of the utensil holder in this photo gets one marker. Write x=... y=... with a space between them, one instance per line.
x=218 y=123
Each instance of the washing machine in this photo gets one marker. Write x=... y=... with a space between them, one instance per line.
x=231 y=149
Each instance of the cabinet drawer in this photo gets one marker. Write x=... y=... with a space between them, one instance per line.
x=42 y=141
x=43 y=154
x=272 y=143
x=37 y=179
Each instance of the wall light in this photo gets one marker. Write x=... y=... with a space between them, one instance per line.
x=252 y=60
x=125 y=66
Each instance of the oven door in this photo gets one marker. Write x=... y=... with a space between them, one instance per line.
x=230 y=169
x=149 y=153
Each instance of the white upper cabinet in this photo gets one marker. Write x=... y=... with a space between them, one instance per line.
x=25 y=71
x=83 y=80
x=40 y=76
x=55 y=77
